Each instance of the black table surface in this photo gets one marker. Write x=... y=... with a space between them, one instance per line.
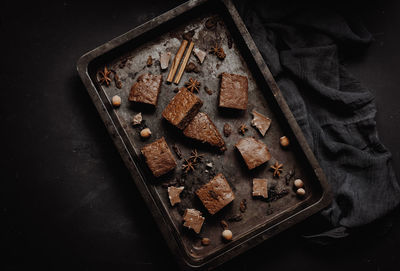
x=68 y=202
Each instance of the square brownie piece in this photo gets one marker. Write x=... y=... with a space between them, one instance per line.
x=174 y=194
x=201 y=128
x=159 y=157
x=260 y=188
x=216 y=194
x=233 y=92
x=253 y=151
x=193 y=220
x=182 y=108
x=146 y=89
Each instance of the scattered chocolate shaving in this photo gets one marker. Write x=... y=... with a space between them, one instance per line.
x=213 y=194
x=191 y=67
x=274 y=195
x=176 y=90
x=211 y=23
x=243 y=205
x=177 y=151
x=227 y=130
x=289 y=176
x=224 y=224
x=237 y=217
x=208 y=91
x=149 y=61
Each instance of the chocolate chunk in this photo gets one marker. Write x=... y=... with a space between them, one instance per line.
x=253 y=151
x=191 y=67
x=173 y=194
x=159 y=157
x=188 y=35
x=261 y=122
x=227 y=130
x=200 y=54
x=193 y=220
x=260 y=188
x=201 y=128
x=146 y=89
x=182 y=108
x=164 y=60
x=233 y=92
x=223 y=191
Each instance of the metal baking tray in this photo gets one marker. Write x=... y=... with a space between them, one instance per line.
x=127 y=55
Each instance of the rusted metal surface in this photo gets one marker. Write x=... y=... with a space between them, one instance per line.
x=127 y=55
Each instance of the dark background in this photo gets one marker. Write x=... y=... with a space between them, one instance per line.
x=68 y=202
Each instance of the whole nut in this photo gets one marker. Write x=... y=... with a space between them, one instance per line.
x=284 y=141
x=205 y=241
x=116 y=101
x=227 y=235
x=145 y=133
x=301 y=192
x=298 y=183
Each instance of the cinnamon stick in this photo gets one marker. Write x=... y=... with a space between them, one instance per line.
x=177 y=59
x=184 y=62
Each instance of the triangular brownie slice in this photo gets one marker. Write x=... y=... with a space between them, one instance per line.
x=201 y=128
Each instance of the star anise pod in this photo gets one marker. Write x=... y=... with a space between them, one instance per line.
x=105 y=76
x=195 y=156
x=188 y=165
x=277 y=169
x=193 y=85
x=218 y=51
x=243 y=129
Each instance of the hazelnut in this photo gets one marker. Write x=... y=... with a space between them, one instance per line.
x=227 y=235
x=116 y=101
x=284 y=141
x=298 y=183
x=145 y=133
x=301 y=192
x=205 y=241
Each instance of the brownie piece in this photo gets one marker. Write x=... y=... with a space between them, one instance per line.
x=253 y=151
x=260 y=188
x=261 y=122
x=159 y=157
x=233 y=92
x=146 y=89
x=173 y=194
x=193 y=220
x=201 y=128
x=182 y=108
x=216 y=194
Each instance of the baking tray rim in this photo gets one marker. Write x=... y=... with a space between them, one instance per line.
x=185 y=259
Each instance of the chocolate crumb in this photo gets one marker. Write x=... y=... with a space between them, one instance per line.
x=205 y=241
x=176 y=90
x=188 y=35
x=149 y=61
x=224 y=224
x=211 y=23
x=208 y=91
x=243 y=205
x=227 y=130
x=177 y=151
